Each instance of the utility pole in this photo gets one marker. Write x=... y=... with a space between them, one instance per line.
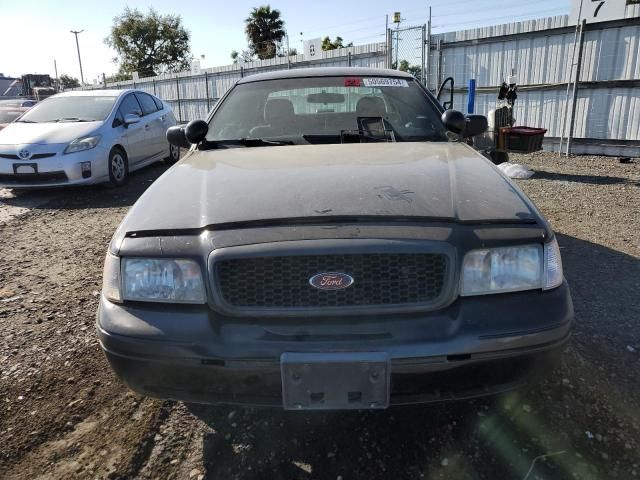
x=389 y=41
x=55 y=68
x=396 y=20
x=76 y=32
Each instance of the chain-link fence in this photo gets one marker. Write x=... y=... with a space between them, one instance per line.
x=407 y=47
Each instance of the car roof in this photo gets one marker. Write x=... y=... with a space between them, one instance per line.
x=326 y=72
x=96 y=93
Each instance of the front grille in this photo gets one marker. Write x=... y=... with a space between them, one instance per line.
x=379 y=279
x=23 y=178
x=35 y=156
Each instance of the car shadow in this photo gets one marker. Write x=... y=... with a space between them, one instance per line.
x=498 y=437
x=588 y=179
x=91 y=196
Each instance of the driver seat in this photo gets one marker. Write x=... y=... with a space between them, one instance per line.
x=279 y=117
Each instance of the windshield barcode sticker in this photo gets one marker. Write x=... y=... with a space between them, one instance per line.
x=384 y=82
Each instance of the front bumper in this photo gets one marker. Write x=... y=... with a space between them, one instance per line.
x=56 y=170
x=476 y=346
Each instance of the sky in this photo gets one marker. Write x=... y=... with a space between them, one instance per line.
x=35 y=32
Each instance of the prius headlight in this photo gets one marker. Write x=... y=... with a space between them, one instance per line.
x=168 y=280
x=511 y=269
x=83 y=143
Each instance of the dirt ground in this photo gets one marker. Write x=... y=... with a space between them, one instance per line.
x=64 y=415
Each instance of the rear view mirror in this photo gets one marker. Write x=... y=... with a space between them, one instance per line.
x=325 y=98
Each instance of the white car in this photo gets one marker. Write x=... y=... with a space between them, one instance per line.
x=86 y=137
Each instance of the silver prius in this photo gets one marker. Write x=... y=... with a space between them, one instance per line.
x=330 y=241
x=86 y=137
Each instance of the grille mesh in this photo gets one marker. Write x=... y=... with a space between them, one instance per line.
x=379 y=279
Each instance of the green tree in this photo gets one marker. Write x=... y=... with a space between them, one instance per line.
x=67 y=81
x=405 y=66
x=264 y=29
x=149 y=44
x=118 y=77
x=241 y=57
x=327 y=44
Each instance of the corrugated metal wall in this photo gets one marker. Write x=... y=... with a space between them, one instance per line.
x=538 y=51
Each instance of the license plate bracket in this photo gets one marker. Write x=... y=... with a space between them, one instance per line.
x=335 y=381
x=25 y=168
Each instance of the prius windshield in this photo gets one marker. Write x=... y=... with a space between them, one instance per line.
x=327 y=110
x=70 y=109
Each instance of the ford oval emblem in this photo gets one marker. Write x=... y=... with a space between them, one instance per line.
x=331 y=281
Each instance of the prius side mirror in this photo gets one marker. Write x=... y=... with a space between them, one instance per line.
x=130 y=119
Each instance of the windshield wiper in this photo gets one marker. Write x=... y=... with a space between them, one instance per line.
x=257 y=142
x=26 y=121
x=73 y=119
x=245 y=142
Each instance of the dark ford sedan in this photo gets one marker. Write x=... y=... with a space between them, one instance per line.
x=329 y=243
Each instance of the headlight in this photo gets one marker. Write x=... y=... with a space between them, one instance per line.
x=162 y=280
x=84 y=143
x=497 y=270
x=511 y=269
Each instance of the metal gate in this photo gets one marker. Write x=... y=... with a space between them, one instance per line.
x=406 y=47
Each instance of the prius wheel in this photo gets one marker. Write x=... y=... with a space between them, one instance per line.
x=118 y=168
x=174 y=154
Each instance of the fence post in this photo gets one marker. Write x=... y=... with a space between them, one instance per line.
x=389 y=48
x=178 y=95
x=241 y=71
x=206 y=86
x=423 y=72
x=349 y=59
x=428 y=55
x=439 y=56
x=575 y=88
x=154 y=87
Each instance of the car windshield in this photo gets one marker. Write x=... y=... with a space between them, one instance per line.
x=70 y=109
x=7 y=116
x=327 y=110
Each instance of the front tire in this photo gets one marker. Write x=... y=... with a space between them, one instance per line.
x=174 y=154
x=118 y=168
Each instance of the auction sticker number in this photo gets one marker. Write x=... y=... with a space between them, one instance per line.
x=384 y=82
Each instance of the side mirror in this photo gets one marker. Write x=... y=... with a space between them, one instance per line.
x=196 y=131
x=176 y=137
x=454 y=121
x=476 y=124
x=465 y=126
x=131 y=118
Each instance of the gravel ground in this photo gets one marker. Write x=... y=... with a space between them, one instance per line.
x=64 y=415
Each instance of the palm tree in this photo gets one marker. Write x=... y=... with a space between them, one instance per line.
x=264 y=28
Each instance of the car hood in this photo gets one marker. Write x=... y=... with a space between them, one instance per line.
x=18 y=133
x=235 y=186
